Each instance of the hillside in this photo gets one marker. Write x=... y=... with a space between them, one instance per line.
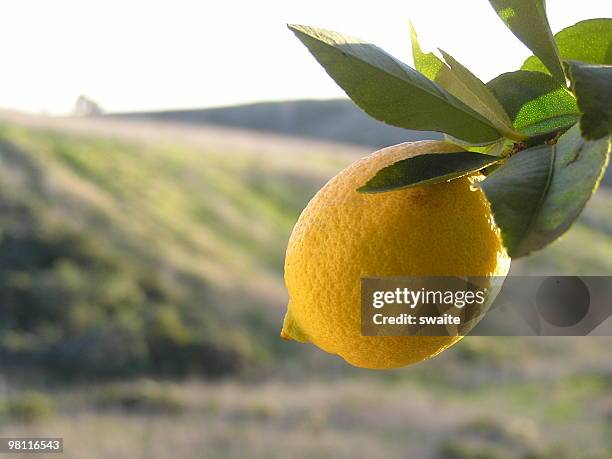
x=333 y=120
x=126 y=250
x=161 y=257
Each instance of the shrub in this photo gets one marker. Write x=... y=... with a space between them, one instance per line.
x=145 y=396
x=27 y=407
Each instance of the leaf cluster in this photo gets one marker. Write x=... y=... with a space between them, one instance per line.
x=541 y=133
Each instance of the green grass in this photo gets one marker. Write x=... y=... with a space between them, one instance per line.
x=340 y=418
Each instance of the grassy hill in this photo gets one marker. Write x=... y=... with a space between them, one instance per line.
x=334 y=120
x=159 y=256
x=167 y=257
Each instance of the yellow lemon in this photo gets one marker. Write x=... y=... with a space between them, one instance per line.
x=342 y=235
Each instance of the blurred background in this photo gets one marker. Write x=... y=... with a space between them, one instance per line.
x=153 y=160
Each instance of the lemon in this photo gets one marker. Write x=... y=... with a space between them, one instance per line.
x=445 y=229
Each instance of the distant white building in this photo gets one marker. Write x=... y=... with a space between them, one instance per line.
x=84 y=106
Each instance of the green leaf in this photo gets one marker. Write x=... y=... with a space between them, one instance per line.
x=535 y=102
x=427 y=170
x=586 y=41
x=495 y=149
x=463 y=84
x=427 y=63
x=592 y=85
x=389 y=90
x=527 y=20
x=538 y=193
x=477 y=95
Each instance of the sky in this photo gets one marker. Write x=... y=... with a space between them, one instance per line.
x=150 y=55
